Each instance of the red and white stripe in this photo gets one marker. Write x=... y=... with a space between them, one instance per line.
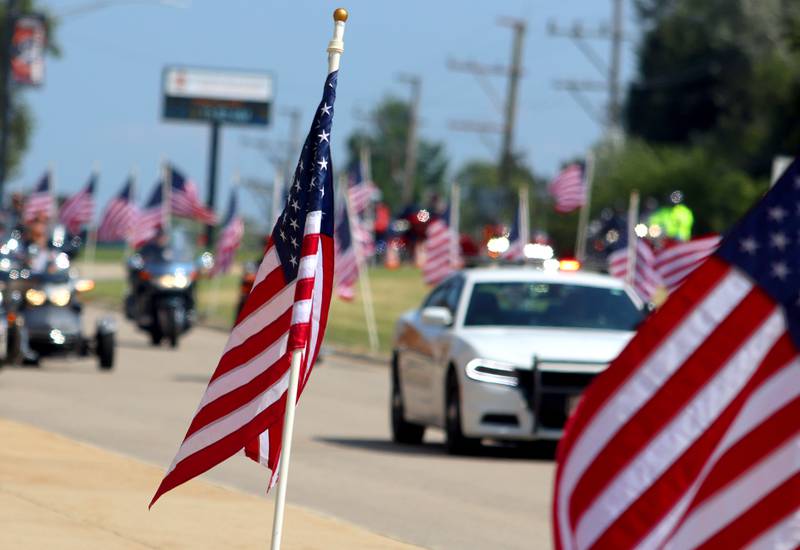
x=690 y=438
x=346 y=274
x=568 y=189
x=440 y=250
x=646 y=279
x=186 y=203
x=148 y=221
x=38 y=204
x=118 y=220
x=243 y=405
x=228 y=243
x=78 y=210
x=677 y=261
x=361 y=195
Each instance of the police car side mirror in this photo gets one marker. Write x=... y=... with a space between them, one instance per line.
x=437 y=316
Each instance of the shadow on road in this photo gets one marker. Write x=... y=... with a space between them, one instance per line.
x=540 y=450
x=192 y=378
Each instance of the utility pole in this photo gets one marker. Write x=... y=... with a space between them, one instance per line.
x=293 y=143
x=506 y=149
x=609 y=71
x=508 y=108
x=5 y=90
x=410 y=171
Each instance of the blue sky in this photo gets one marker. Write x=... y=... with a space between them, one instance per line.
x=101 y=99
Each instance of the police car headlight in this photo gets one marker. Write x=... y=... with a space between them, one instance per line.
x=59 y=295
x=492 y=372
x=169 y=280
x=35 y=297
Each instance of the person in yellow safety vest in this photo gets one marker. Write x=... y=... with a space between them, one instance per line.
x=676 y=221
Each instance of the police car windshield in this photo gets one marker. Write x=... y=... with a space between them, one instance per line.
x=532 y=304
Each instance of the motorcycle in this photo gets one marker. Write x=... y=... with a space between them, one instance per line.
x=162 y=280
x=44 y=315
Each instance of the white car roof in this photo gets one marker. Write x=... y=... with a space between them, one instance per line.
x=533 y=274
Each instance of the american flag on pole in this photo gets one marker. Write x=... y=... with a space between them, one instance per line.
x=346 y=260
x=361 y=193
x=39 y=202
x=645 y=279
x=150 y=218
x=185 y=199
x=242 y=409
x=519 y=234
x=230 y=238
x=119 y=216
x=78 y=210
x=691 y=439
x=568 y=189
x=677 y=261
x=440 y=249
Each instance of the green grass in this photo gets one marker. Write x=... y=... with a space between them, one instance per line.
x=393 y=291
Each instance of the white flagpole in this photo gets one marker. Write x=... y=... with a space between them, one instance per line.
x=91 y=230
x=454 y=221
x=524 y=219
x=366 y=176
x=277 y=195
x=633 y=218
x=166 y=195
x=335 y=49
x=132 y=199
x=583 y=218
x=363 y=275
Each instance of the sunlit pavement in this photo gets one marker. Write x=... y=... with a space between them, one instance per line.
x=343 y=463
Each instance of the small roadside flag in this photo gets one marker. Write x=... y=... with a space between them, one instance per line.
x=283 y=318
x=39 y=202
x=568 y=189
x=230 y=238
x=119 y=216
x=78 y=210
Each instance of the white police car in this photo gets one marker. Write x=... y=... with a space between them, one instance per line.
x=504 y=353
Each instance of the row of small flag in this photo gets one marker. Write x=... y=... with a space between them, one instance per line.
x=123 y=220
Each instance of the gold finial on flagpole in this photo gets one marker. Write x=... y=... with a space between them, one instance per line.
x=340 y=14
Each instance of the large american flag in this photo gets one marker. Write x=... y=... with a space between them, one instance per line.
x=691 y=439
x=441 y=250
x=346 y=260
x=119 y=216
x=150 y=218
x=230 y=238
x=287 y=310
x=78 y=210
x=645 y=279
x=185 y=199
x=40 y=202
x=568 y=189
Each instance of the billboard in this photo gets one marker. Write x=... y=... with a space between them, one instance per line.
x=212 y=95
x=28 y=43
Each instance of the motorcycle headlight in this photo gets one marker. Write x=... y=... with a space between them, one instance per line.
x=493 y=372
x=59 y=296
x=176 y=280
x=35 y=297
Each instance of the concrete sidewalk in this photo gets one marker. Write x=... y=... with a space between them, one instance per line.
x=57 y=493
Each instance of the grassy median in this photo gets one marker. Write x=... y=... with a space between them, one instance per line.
x=394 y=291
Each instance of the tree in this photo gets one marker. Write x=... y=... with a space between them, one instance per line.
x=719 y=74
x=386 y=138
x=21 y=119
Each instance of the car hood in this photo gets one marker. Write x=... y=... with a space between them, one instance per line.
x=520 y=345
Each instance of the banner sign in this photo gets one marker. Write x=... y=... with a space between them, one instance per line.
x=211 y=95
x=28 y=43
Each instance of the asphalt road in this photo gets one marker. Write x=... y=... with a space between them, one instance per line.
x=343 y=462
